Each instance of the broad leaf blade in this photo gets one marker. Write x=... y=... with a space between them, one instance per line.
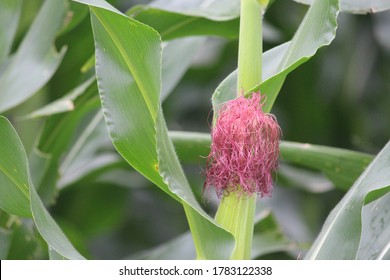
x=9 y=17
x=316 y=30
x=358 y=6
x=36 y=60
x=128 y=66
x=44 y=222
x=341 y=233
x=139 y=92
x=267 y=234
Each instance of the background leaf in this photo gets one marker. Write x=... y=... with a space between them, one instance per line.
x=91 y=153
x=341 y=166
x=47 y=227
x=57 y=134
x=176 y=59
x=85 y=157
x=217 y=10
x=174 y=19
x=25 y=241
x=359 y=6
x=64 y=104
x=341 y=233
x=15 y=198
x=375 y=242
x=172 y=24
x=9 y=16
x=268 y=236
x=35 y=60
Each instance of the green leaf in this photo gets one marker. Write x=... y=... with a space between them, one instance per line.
x=211 y=241
x=14 y=181
x=358 y=6
x=341 y=233
x=9 y=16
x=130 y=137
x=45 y=224
x=267 y=239
x=218 y=10
x=84 y=158
x=317 y=29
x=270 y=242
x=49 y=229
x=36 y=60
x=179 y=248
x=375 y=241
x=304 y=179
x=128 y=67
x=64 y=104
x=267 y=236
x=90 y=155
x=54 y=255
x=341 y=166
x=5 y=242
x=191 y=147
x=76 y=14
x=176 y=59
x=26 y=241
x=172 y=24
x=58 y=132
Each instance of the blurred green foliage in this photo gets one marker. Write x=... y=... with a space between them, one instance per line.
x=339 y=98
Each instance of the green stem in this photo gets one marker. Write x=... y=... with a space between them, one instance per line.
x=236 y=211
x=235 y=214
x=250 y=46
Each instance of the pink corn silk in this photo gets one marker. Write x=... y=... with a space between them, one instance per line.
x=244 y=149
